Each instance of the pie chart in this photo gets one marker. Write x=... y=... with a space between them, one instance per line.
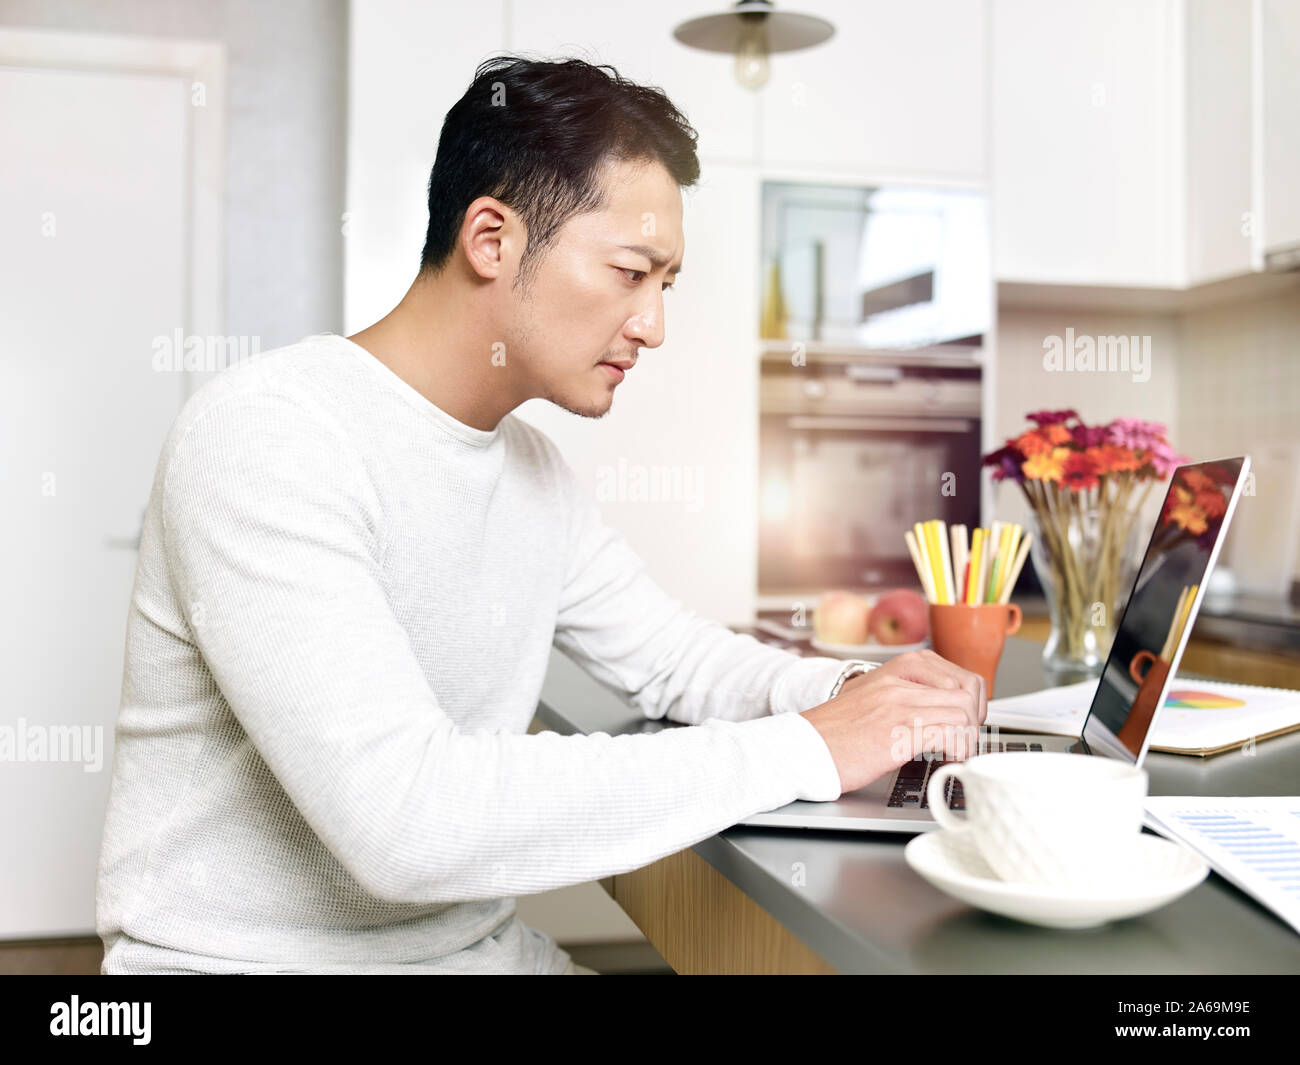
x=1188 y=699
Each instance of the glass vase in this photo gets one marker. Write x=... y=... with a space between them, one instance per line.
x=1084 y=554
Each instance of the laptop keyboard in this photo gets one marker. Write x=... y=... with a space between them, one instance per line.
x=911 y=784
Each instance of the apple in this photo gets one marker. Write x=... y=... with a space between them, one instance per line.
x=900 y=616
x=841 y=617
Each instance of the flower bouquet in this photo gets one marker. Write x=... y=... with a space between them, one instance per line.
x=1086 y=486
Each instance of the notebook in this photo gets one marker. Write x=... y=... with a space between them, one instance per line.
x=1200 y=717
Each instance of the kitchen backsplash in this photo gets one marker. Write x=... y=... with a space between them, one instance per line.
x=1225 y=379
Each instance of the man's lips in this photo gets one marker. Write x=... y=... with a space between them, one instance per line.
x=618 y=367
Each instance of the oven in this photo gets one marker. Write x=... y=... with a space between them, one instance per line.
x=853 y=450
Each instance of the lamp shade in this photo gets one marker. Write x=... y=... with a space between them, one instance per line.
x=727 y=32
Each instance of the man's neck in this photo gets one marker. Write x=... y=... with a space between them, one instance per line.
x=435 y=341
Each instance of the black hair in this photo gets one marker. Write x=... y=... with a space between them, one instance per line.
x=535 y=134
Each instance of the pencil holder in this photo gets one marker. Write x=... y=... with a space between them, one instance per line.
x=972 y=635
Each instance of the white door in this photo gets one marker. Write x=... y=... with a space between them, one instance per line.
x=96 y=244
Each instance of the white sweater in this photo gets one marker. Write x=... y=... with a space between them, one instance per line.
x=342 y=613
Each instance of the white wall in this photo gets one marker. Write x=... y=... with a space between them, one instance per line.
x=285 y=138
x=1023 y=385
x=1238 y=389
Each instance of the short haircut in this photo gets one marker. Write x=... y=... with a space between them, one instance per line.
x=536 y=135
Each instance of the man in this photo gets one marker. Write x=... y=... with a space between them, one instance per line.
x=356 y=560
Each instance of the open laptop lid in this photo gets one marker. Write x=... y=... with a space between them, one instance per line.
x=1150 y=638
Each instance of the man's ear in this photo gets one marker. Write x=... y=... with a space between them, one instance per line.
x=488 y=234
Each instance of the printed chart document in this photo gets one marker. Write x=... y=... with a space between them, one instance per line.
x=1200 y=717
x=1252 y=841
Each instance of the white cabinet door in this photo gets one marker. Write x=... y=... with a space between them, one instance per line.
x=1087 y=149
x=95 y=229
x=900 y=92
x=1220 y=209
x=1279 y=126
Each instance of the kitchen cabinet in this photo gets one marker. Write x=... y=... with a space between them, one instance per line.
x=1243 y=137
x=1147 y=144
x=1277 y=131
x=1219 y=134
x=899 y=91
x=1086 y=154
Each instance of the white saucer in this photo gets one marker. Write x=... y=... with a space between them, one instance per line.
x=871 y=652
x=1163 y=870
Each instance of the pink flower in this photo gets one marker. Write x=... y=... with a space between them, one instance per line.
x=1164 y=459
x=1135 y=433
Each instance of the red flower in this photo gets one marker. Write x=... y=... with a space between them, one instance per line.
x=1079 y=473
x=1051 y=417
x=1089 y=436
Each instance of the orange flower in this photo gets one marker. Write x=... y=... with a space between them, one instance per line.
x=1117 y=459
x=1046 y=467
x=1057 y=434
x=1185 y=512
x=1099 y=458
x=1033 y=442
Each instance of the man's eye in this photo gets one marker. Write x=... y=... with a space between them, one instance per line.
x=640 y=276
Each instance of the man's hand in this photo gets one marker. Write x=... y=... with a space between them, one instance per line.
x=915 y=703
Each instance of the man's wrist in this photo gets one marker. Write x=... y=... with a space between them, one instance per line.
x=852 y=669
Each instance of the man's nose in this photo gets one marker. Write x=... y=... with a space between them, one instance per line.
x=647 y=327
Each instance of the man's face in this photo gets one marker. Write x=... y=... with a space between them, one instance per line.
x=597 y=295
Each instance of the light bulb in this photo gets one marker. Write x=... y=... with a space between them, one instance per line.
x=752 y=66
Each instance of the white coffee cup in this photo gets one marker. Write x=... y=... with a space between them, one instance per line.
x=1065 y=821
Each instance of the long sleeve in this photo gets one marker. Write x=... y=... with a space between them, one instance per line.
x=274 y=539
x=635 y=639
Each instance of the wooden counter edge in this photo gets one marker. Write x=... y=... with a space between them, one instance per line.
x=701 y=923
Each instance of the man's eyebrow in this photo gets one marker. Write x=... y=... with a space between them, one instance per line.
x=653 y=255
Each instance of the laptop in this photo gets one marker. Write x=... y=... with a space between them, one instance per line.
x=1133 y=684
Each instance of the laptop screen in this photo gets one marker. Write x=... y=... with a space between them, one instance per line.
x=1148 y=641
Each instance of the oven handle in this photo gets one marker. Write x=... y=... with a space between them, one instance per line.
x=881 y=424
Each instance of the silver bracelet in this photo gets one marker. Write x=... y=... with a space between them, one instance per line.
x=852 y=668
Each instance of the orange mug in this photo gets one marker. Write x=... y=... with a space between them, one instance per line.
x=972 y=635
x=1150 y=684
x=1135 y=669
